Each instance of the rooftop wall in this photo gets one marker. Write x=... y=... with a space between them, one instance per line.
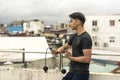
x=28 y=74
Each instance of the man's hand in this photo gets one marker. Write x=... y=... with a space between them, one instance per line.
x=68 y=54
x=54 y=51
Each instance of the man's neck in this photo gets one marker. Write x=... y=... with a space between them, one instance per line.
x=80 y=30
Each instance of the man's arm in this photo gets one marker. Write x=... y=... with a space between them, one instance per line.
x=84 y=59
x=60 y=49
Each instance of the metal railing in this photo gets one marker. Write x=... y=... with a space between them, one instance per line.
x=22 y=51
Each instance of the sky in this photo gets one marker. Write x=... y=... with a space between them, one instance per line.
x=53 y=11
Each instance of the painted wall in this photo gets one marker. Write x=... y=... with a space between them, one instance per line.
x=12 y=29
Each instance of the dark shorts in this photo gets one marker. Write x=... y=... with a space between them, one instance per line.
x=76 y=76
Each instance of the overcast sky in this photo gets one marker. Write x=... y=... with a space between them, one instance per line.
x=53 y=11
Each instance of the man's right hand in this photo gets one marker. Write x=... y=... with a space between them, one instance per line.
x=54 y=51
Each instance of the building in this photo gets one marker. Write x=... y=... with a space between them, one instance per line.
x=59 y=26
x=34 y=26
x=104 y=30
x=57 y=29
x=15 y=29
x=3 y=30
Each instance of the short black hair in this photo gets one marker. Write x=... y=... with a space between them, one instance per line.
x=78 y=15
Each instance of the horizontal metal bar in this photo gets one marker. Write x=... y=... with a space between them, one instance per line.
x=13 y=49
x=105 y=54
x=23 y=52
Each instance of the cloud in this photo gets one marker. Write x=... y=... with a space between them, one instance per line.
x=53 y=11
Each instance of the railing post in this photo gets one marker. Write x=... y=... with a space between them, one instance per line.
x=23 y=59
x=60 y=62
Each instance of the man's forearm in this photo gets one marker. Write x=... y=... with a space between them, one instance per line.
x=62 y=48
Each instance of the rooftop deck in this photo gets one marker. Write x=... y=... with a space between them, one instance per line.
x=31 y=74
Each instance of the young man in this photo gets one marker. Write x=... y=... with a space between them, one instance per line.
x=81 y=49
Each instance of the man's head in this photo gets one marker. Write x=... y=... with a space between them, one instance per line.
x=78 y=15
x=77 y=18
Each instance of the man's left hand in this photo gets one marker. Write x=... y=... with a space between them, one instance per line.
x=68 y=54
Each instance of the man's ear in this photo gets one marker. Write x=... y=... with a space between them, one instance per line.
x=77 y=21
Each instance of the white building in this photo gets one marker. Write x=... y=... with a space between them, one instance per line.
x=34 y=26
x=104 y=30
x=60 y=26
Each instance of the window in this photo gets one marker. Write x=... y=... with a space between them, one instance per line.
x=112 y=22
x=94 y=38
x=112 y=39
x=62 y=25
x=94 y=23
x=27 y=25
x=96 y=44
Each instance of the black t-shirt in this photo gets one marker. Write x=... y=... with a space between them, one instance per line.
x=79 y=42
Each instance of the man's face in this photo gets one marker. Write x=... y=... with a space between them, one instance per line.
x=73 y=23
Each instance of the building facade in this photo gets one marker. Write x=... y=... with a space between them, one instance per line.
x=35 y=26
x=104 y=30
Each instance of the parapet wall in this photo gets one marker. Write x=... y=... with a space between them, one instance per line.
x=28 y=74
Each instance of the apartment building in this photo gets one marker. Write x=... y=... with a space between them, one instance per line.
x=104 y=30
x=34 y=26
